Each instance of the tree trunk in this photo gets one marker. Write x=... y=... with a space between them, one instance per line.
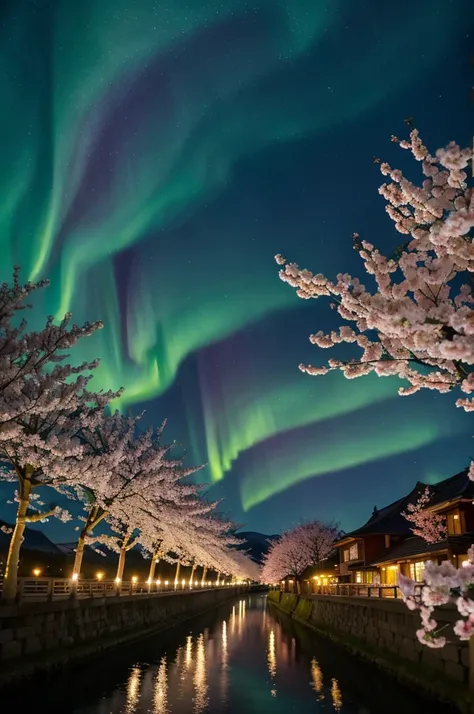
x=10 y=581
x=151 y=574
x=204 y=573
x=217 y=581
x=176 y=577
x=92 y=520
x=121 y=565
x=192 y=576
x=76 y=570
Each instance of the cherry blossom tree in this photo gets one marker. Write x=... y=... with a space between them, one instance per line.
x=41 y=399
x=129 y=481
x=317 y=540
x=286 y=556
x=418 y=322
x=443 y=584
x=306 y=544
x=426 y=524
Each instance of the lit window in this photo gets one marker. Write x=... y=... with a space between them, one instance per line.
x=354 y=552
x=416 y=571
x=454 y=523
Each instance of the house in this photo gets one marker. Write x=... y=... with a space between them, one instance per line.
x=451 y=498
x=314 y=577
x=361 y=548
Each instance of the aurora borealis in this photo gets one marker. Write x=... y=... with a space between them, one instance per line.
x=156 y=155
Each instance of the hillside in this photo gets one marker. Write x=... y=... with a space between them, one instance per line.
x=255 y=544
x=34 y=540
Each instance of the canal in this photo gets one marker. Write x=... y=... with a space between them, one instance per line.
x=242 y=658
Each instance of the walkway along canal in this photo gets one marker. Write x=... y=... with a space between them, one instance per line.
x=241 y=658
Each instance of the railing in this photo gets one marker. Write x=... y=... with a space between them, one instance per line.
x=43 y=589
x=358 y=590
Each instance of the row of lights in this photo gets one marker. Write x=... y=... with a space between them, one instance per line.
x=100 y=576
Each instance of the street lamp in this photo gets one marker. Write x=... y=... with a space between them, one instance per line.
x=99 y=576
x=36 y=572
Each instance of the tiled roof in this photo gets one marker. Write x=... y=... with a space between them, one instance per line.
x=412 y=547
x=389 y=520
x=458 y=486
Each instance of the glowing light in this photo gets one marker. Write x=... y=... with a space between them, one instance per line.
x=133 y=689
x=99 y=576
x=200 y=678
x=37 y=572
x=188 y=660
x=75 y=577
x=134 y=579
x=271 y=657
x=224 y=680
x=117 y=581
x=336 y=695
x=166 y=582
x=161 y=689
x=158 y=582
x=317 y=677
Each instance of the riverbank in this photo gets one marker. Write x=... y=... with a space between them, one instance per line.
x=37 y=637
x=238 y=657
x=383 y=632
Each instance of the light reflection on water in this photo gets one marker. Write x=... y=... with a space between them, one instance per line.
x=242 y=659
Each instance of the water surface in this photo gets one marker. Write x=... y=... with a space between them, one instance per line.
x=243 y=658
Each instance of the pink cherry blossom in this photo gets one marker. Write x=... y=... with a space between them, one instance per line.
x=305 y=545
x=427 y=525
x=418 y=321
x=464 y=629
x=427 y=638
x=406 y=585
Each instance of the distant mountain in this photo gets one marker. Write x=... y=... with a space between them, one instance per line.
x=255 y=544
x=34 y=540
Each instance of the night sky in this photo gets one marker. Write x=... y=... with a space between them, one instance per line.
x=156 y=155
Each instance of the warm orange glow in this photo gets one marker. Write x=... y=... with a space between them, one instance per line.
x=37 y=572
x=456 y=517
x=134 y=579
x=336 y=695
x=75 y=577
x=99 y=576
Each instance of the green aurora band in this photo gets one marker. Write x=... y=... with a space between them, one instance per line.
x=342 y=445
x=125 y=123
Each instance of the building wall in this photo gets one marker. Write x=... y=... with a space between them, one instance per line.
x=374 y=548
x=43 y=628
x=384 y=631
x=468 y=517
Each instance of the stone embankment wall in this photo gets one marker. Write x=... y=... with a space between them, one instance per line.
x=42 y=634
x=383 y=630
